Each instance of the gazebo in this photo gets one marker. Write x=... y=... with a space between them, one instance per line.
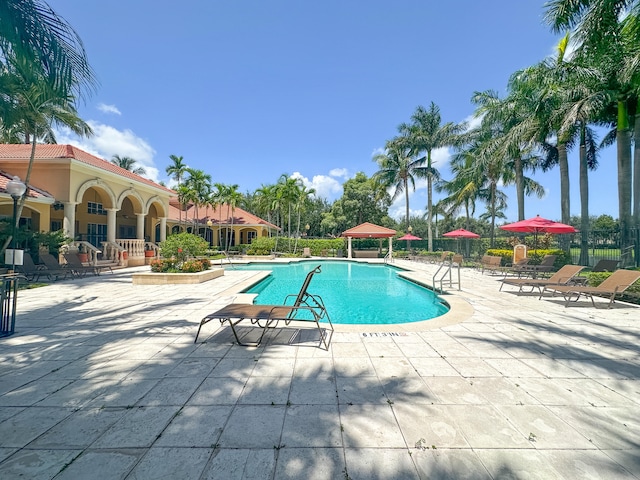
x=368 y=230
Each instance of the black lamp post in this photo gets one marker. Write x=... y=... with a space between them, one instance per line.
x=16 y=189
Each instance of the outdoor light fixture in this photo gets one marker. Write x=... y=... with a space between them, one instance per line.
x=58 y=206
x=16 y=189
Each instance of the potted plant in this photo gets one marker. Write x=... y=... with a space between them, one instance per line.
x=83 y=255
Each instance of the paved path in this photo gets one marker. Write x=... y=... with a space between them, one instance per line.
x=102 y=380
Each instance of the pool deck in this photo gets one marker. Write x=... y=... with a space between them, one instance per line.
x=102 y=380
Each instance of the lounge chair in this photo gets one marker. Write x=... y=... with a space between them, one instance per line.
x=305 y=308
x=490 y=263
x=52 y=264
x=605 y=266
x=617 y=283
x=562 y=277
x=545 y=266
x=80 y=269
x=33 y=272
x=516 y=268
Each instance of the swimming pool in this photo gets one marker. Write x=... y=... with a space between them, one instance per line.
x=354 y=293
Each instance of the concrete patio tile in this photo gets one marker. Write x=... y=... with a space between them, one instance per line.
x=79 y=430
x=550 y=391
x=274 y=366
x=544 y=429
x=35 y=464
x=606 y=428
x=380 y=464
x=161 y=462
x=513 y=368
x=360 y=390
x=394 y=367
x=446 y=464
x=311 y=426
x=370 y=426
x=31 y=393
x=210 y=350
x=195 y=426
x=552 y=368
x=427 y=426
x=171 y=391
x=194 y=367
x=353 y=367
x=102 y=464
x=483 y=426
x=252 y=426
x=6 y=453
x=603 y=368
x=27 y=425
x=218 y=391
x=421 y=349
x=433 y=367
x=628 y=459
x=265 y=391
x=412 y=390
x=349 y=350
x=310 y=463
x=124 y=394
x=319 y=391
x=451 y=348
x=472 y=367
x=379 y=349
x=139 y=427
x=455 y=390
x=516 y=464
x=153 y=368
x=313 y=367
x=503 y=391
x=241 y=464
x=587 y=465
x=238 y=368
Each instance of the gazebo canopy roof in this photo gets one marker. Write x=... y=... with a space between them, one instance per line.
x=369 y=230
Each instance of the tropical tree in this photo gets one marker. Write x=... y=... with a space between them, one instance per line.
x=427 y=134
x=399 y=170
x=198 y=185
x=128 y=163
x=176 y=171
x=232 y=198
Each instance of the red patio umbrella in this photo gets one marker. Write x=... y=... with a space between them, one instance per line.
x=408 y=237
x=460 y=233
x=537 y=225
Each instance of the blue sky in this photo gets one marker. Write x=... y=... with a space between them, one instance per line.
x=249 y=90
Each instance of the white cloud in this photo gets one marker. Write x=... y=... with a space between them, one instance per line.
x=104 y=108
x=325 y=186
x=339 y=173
x=108 y=141
x=473 y=122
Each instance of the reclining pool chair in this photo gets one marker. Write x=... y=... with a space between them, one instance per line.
x=270 y=315
x=33 y=272
x=564 y=276
x=80 y=269
x=617 y=283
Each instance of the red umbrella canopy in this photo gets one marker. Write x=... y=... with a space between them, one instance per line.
x=409 y=236
x=461 y=233
x=538 y=225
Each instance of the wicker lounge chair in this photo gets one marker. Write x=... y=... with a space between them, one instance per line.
x=305 y=308
x=562 y=277
x=617 y=283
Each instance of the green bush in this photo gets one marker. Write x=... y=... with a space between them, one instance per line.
x=261 y=246
x=536 y=256
x=182 y=246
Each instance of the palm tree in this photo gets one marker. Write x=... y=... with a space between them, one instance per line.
x=427 y=134
x=128 y=163
x=599 y=28
x=33 y=33
x=217 y=199
x=199 y=186
x=232 y=198
x=399 y=170
x=176 y=171
x=302 y=200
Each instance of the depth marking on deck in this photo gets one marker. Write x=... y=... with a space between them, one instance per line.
x=384 y=334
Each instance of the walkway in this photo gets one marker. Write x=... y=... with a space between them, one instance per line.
x=103 y=380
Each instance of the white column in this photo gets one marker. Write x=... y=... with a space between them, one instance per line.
x=111 y=224
x=349 y=247
x=163 y=229
x=69 y=221
x=140 y=226
x=390 y=248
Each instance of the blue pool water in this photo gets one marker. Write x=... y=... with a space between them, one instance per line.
x=354 y=293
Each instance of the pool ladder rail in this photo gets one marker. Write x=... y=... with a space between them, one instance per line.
x=444 y=274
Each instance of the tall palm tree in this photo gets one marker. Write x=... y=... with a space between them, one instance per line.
x=232 y=198
x=599 y=31
x=176 y=171
x=199 y=186
x=217 y=198
x=303 y=199
x=128 y=163
x=427 y=133
x=399 y=170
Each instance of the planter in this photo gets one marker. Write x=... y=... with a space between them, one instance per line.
x=153 y=278
x=149 y=253
x=84 y=257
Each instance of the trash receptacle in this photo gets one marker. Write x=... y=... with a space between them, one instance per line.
x=8 y=299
